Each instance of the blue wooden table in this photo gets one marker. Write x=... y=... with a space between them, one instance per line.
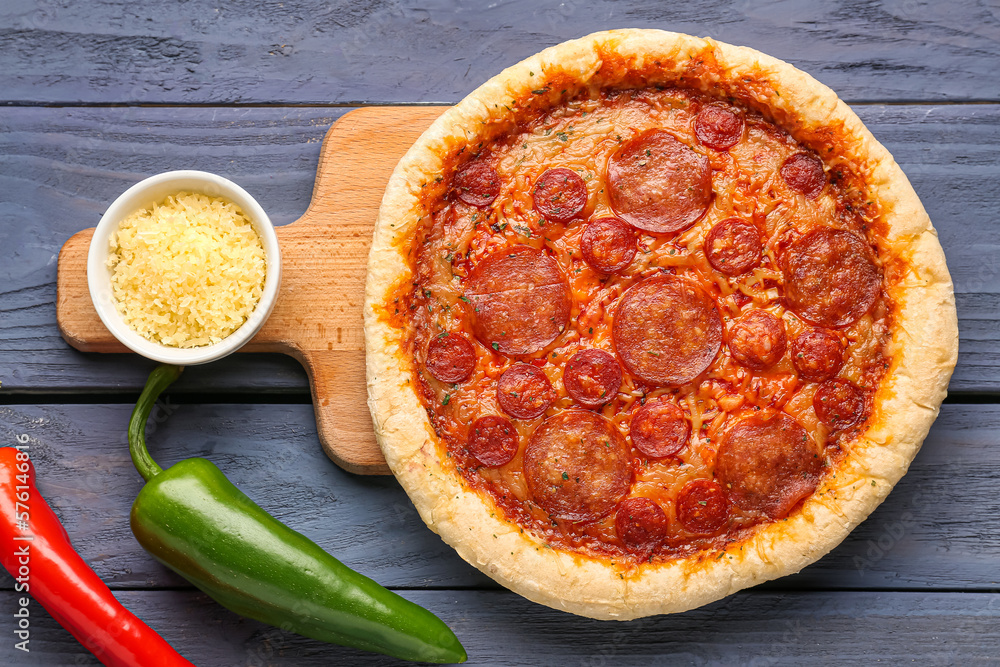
x=96 y=95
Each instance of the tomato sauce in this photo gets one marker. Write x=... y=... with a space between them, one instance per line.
x=581 y=135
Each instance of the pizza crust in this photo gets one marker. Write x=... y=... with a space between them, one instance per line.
x=924 y=343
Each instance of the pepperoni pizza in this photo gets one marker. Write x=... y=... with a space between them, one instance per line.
x=651 y=319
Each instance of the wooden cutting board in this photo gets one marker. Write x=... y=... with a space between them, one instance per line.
x=317 y=318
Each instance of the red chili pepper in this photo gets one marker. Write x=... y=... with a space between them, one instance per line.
x=38 y=554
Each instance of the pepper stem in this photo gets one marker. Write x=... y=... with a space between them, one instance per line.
x=162 y=377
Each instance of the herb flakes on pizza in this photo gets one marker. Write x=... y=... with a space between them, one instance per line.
x=651 y=319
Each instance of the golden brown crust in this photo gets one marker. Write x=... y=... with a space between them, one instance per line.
x=923 y=347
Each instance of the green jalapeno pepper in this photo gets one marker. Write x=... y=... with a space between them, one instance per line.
x=196 y=522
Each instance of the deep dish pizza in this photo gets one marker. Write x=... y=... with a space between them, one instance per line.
x=651 y=319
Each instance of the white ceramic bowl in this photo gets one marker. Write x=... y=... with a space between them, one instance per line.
x=143 y=195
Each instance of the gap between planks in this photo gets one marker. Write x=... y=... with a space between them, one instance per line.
x=358 y=104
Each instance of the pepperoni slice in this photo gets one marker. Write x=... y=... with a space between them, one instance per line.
x=658 y=184
x=493 y=441
x=817 y=354
x=757 y=339
x=450 y=357
x=592 y=378
x=768 y=465
x=718 y=127
x=577 y=466
x=804 y=173
x=524 y=391
x=608 y=245
x=840 y=404
x=733 y=247
x=659 y=429
x=703 y=507
x=521 y=300
x=559 y=194
x=477 y=183
x=830 y=279
x=666 y=330
x=640 y=523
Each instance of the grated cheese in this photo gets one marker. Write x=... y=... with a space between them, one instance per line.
x=188 y=271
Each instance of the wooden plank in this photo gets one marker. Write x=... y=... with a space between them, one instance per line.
x=61 y=167
x=406 y=51
x=829 y=628
x=935 y=531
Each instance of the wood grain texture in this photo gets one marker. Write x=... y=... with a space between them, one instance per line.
x=936 y=531
x=405 y=51
x=324 y=258
x=497 y=627
x=59 y=169
x=916 y=583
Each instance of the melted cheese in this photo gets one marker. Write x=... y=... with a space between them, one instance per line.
x=581 y=136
